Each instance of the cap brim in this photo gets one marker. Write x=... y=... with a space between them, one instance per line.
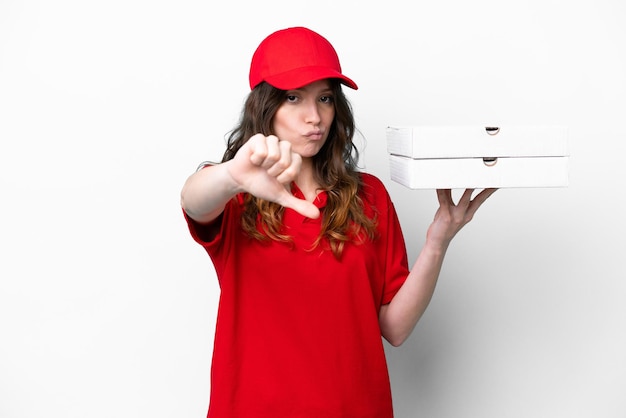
x=300 y=77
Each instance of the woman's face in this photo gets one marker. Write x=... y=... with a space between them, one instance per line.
x=305 y=117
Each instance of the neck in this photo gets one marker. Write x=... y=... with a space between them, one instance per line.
x=306 y=181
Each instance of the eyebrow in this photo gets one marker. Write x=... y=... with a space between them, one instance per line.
x=306 y=88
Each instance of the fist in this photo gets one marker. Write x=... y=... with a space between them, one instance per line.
x=265 y=167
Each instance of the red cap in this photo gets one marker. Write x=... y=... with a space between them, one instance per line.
x=294 y=57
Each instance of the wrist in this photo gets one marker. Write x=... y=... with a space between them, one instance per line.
x=230 y=183
x=436 y=247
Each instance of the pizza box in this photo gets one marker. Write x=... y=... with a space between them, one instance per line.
x=449 y=157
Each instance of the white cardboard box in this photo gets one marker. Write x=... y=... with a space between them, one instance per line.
x=447 y=157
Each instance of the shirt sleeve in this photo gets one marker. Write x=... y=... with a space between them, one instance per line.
x=396 y=268
x=211 y=235
x=392 y=244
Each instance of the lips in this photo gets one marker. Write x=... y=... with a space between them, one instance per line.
x=314 y=135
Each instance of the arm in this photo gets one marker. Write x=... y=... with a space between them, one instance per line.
x=263 y=166
x=205 y=193
x=398 y=318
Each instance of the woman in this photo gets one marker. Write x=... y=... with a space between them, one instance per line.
x=308 y=251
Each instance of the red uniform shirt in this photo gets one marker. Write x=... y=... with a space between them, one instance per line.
x=297 y=331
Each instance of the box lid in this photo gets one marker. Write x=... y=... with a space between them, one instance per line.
x=474 y=173
x=477 y=141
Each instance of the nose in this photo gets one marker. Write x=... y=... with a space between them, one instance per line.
x=312 y=114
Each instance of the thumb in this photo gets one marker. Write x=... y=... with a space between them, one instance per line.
x=303 y=207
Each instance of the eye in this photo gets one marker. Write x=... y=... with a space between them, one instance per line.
x=291 y=98
x=327 y=99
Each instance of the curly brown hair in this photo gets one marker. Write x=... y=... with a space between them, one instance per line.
x=335 y=168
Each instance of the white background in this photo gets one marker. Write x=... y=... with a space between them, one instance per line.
x=107 y=306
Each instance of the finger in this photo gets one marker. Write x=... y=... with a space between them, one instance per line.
x=258 y=149
x=288 y=174
x=466 y=198
x=273 y=152
x=445 y=197
x=284 y=160
x=483 y=195
x=303 y=207
x=480 y=199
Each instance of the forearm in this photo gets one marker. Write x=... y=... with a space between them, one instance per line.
x=206 y=192
x=398 y=318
